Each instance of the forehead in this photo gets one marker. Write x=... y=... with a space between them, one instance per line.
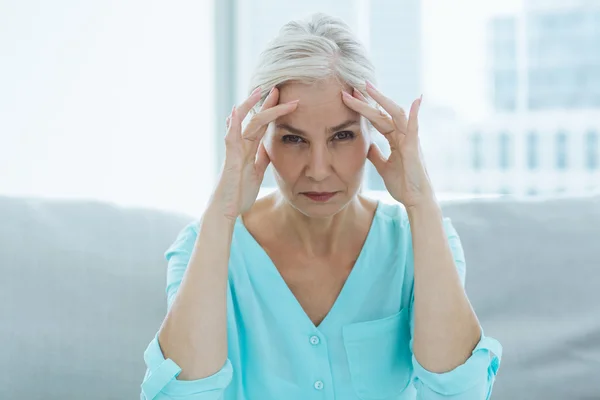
x=320 y=105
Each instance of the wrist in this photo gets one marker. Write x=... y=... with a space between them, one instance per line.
x=215 y=214
x=429 y=206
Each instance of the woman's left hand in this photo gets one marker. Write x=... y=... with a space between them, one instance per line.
x=404 y=172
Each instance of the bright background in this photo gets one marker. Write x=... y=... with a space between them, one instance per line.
x=122 y=101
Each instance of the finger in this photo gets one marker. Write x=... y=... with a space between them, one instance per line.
x=356 y=93
x=382 y=122
x=376 y=157
x=271 y=99
x=413 y=119
x=258 y=125
x=233 y=127
x=262 y=160
x=249 y=103
x=396 y=112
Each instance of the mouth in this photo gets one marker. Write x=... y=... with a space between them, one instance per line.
x=320 y=197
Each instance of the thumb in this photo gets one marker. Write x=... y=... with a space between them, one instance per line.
x=376 y=157
x=262 y=160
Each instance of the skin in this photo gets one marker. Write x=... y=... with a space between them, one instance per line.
x=320 y=147
x=194 y=332
x=320 y=235
x=309 y=155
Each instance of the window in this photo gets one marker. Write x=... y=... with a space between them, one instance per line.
x=504 y=148
x=476 y=151
x=505 y=89
x=561 y=150
x=591 y=150
x=532 y=150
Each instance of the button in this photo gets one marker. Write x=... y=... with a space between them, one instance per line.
x=314 y=340
x=318 y=385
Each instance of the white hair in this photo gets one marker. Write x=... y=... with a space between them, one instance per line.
x=310 y=50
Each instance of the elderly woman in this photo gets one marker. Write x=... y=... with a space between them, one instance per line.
x=316 y=291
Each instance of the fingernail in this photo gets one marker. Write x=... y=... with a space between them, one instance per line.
x=257 y=90
x=370 y=85
x=346 y=94
x=271 y=91
x=293 y=102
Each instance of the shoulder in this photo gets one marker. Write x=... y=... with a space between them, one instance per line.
x=390 y=231
x=184 y=239
x=392 y=213
x=394 y=218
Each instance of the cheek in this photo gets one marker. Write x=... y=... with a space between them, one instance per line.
x=286 y=160
x=360 y=147
x=352 y=157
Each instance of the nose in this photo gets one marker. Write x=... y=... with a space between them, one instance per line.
x=319 y=163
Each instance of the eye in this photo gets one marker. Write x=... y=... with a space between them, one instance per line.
x=344 y=135
x=293 y=139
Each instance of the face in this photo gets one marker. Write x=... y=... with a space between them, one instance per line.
x=318 y=151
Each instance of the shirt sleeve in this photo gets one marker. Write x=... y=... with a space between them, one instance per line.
x=160 y=381
x=472 y=380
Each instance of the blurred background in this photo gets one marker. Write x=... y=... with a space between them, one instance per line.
x=112 y=118
x=125 y=101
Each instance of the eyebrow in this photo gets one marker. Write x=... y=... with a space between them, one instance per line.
x=338 y=127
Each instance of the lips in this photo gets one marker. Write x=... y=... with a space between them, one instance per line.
x=319 y=196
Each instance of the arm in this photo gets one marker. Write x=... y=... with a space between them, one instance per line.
x=446 y=333
x=446 y=327
x=466 y=362
x=194 y=332
x=197 y=272
x=191 y=344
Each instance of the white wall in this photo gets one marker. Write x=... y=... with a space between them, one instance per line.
x=109 y=100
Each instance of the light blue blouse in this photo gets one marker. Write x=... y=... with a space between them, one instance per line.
x=361 y=350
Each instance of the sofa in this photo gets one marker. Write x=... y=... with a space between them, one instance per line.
x=83 y=293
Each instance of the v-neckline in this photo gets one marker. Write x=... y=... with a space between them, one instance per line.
x=279 y=285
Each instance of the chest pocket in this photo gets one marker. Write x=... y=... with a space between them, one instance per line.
x=379 y=356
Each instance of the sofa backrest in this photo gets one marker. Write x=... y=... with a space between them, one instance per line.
x=83 y=292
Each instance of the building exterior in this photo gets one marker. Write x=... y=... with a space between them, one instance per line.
x=547 y=57
x=529 y=155
x=543 y=137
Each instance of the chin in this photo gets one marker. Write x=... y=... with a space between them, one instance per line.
x=314 y=209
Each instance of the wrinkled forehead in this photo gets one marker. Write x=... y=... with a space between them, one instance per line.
x=320 y=106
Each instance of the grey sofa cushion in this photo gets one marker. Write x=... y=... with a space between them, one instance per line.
x=533 y=277
x=83 y=291
x=83 y=294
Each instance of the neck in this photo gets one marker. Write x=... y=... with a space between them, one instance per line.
x=328 y=236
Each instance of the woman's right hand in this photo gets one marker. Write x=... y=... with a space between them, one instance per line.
x=246 y=159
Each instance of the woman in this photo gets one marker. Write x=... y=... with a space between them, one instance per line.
x=317 y=291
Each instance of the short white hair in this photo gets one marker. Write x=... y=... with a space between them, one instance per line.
x=310 y=50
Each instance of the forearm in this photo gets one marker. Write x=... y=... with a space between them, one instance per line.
x=194 y=332
x=446 y=329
